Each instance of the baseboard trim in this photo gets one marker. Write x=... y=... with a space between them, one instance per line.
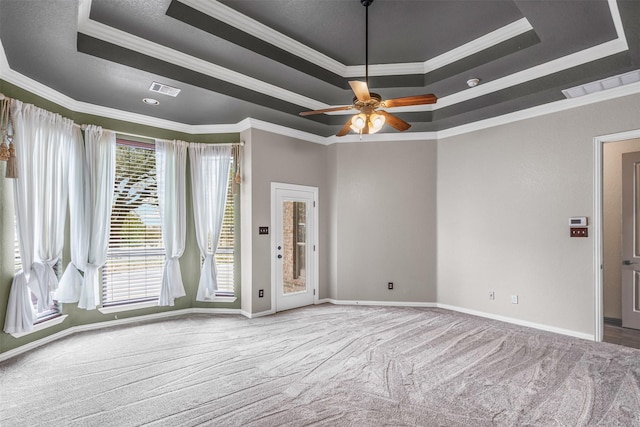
x=204 y=310
x=259 y=314
x=519 y=322
x=109 y=323
x=381 y=303
x=41 y=326
x=613 y=321
x=168 y=314
x=505 y=319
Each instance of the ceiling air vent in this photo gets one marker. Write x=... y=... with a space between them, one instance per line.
x=604 y=84
x=164 y=89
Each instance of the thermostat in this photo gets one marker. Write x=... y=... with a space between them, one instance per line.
x=578 y=221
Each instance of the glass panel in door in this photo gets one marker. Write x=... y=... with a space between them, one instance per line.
x=294 y=236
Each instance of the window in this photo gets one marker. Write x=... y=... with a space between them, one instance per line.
x=54 y=309
x=135 y=258
x=225 y=255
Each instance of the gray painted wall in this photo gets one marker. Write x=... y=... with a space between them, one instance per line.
x=504 y=198
x=275 y=158
x=386 y=221
x=377 y=216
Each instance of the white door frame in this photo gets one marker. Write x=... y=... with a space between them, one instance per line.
x=598 y=143
x=316 y=258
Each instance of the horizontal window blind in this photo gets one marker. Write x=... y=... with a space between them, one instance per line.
x=54 y=309
x=225 y=254
x=135 y=258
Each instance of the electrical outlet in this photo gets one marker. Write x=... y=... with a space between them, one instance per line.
x=514 y=299
x=390 y=285
x=261 y=293
x=492 y=295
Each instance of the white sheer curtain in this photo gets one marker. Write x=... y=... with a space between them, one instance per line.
x=92 y=176
x=43 y=143
x=209 y=180
x=171 y=166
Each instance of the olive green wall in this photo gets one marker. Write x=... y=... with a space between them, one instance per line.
x=189 y=263
x=120 y=126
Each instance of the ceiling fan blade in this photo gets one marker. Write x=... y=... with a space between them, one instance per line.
x=327 y=110
x=361 y=90
x=394 y=121
x=345 y=129
x=411 y=100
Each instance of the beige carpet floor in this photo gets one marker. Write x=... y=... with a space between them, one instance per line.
x=322 y=366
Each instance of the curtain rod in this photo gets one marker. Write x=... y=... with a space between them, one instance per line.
x=84 y=127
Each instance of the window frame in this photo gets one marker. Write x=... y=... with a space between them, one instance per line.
x=156 y=254
x=233 y=198
x=55 y=309
x=229 y=250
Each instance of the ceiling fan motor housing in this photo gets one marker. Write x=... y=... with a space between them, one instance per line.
x=370 y=104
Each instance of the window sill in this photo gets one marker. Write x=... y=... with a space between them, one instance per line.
x=128 y=307
x=41 y=326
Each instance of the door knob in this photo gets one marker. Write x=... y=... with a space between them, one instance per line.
x=279 y=256
x=628 y=262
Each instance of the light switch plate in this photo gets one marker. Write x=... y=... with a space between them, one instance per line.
x=579 y=232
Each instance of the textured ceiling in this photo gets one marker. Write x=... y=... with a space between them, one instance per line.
x=268 y=60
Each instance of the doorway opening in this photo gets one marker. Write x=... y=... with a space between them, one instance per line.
x=612 y=274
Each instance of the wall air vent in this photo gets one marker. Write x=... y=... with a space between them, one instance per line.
x=164 y=89
x=604 y=84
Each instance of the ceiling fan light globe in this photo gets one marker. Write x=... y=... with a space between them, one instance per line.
x=357 y=122
x=376 y=121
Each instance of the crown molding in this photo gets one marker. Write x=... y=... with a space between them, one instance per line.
x=129 y=41
x=146 y=47
x=542 y=110
x=37 y=88
x=383 y=137
x=491 y=39
x=230 y=16
x=578 y=58
x=52 y=95
x=221 y=12
x=250 y=123
x=608 y=48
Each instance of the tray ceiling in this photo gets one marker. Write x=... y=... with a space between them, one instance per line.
x=268 y=60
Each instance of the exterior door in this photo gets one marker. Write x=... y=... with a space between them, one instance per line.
x=631 y=240
x=294 y=251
